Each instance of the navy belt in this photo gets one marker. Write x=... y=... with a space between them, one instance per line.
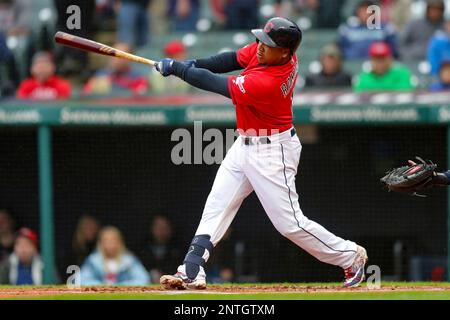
x=263 y=140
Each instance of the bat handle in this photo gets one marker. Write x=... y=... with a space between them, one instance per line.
x=132 y=57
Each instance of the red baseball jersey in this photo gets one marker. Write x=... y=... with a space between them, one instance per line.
x=52 y=89
x=262 y=94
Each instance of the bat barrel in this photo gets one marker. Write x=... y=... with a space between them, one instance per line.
x=78 y=43
x=96 y=47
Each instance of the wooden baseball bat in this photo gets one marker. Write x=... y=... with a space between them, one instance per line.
x=97 y=47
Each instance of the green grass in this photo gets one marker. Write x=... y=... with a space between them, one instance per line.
x=363 y=294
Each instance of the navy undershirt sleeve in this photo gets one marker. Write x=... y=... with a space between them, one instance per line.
x=221 y=63
x=447 y=174
x=202 y=78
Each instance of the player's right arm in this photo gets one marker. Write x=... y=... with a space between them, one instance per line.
x=225 y=62
x=220 y=63
x=205 y=79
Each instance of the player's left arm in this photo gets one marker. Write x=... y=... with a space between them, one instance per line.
x=447 y=175
x=442 y=179
x=197 y=77
x=220 y=63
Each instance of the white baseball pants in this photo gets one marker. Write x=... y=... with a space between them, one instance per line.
x=269 y=170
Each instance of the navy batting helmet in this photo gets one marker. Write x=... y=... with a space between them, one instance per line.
x=280 y=33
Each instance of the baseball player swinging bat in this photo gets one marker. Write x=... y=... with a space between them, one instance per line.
x=262 y=96
x=97 y=47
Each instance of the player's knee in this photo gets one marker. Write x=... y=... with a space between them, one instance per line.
x=198 y=254
x=283 y=229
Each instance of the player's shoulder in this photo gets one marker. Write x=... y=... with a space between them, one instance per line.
x=250 y=47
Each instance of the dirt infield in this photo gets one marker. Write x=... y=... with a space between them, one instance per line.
x=24 y=292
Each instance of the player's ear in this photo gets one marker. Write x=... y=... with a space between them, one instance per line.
x=286 y=53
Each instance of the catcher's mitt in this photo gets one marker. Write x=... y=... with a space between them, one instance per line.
x=411 y=179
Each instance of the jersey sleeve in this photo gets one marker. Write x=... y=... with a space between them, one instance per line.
x=249 y=90
x=245 y=54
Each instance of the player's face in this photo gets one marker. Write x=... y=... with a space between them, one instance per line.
x=272 y=56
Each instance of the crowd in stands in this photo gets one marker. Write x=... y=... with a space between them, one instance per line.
x=102 y=254
x=20 y=262
x=409 y=32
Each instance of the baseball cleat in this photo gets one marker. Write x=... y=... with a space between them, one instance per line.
x=355 y=274
x=179 y=281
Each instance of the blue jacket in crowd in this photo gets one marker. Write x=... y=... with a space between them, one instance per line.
x=130 y=271
x=439 y=86
x=355 y=39
x=438 y=50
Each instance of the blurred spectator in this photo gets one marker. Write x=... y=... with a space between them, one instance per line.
x=24 y=266
x=133 y=22
x=355 y=37
x=221 y=265
x=159 y=253
x=385 y=74
x=117 y=78
x=7 y=226
x=327 y=13
x=8 y=71
x=413 y=43
x=331 y=75
x=44 y=84
x=443 y=83
x=294 y=8
x=159 y=85
x=85 y=239
x=112 y=263
x=15 y=17
x=70 y=61
x=83 y=243
x=185 y=14
x=439 y=48
x=396 y=12
x=106 y=14
x=236 y=14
